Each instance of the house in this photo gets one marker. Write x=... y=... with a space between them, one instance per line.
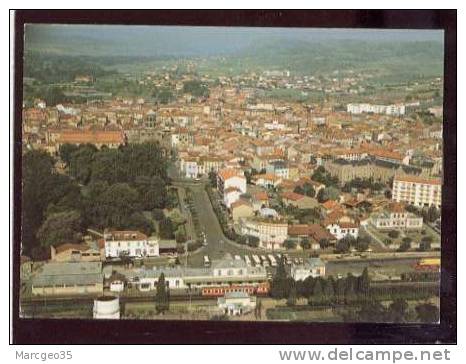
x=267 y=180
x=236 y=303
x=396 y=217
x=313 y=267
x=130 y=244
x=231 y=184
x=259 y=200
x=319 y=233
x=241 y=208
x=298 y=200
x=74 y=253
x=330 y=206
x=312 y=232
x=64 y=279
x=231 y=195
x=278 y=168
x=191 y=167
x=342 y=229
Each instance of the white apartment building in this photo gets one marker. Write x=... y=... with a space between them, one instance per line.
x=417 y=191
x=129 y=243
x=394 y=110
x=271 y=234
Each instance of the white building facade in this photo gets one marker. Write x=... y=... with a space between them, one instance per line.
x=417 y=191
x=271 y=234
x=129 y=243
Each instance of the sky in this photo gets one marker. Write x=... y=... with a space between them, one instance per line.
x=197 y=41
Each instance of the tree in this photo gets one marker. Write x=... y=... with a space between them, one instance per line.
x=364 y=282
x=317 y=296
x=158 y=214
x=428 y=313
x=65 y=152
x=425 y=245
x=350 y=288
x=258 y=309
x=137 y=221
x=59 y=228
x=196 y=88
x=289 y=244
x=280 y=285
x=166 y=228
x=113 y=206
x=292 y=296
x=329 y=290
x=299 y=190
x=213 y=179
x=344 y=244
x=162 y=297
x=405 y=244
x=305 y=244
x=362 y=243
x=394 y=234
x=324 y=243
x=372 y=312
x=328 y=193
x=81 y=162
x=340 y=287
x=155 y=196
x=397 y=310
x=253 y=241
x=432 y=214
x=180 y=237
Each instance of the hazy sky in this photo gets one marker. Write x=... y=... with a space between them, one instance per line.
x=176 y=40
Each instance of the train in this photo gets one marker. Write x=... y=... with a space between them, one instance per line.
x=261 y=289
x=430 y=264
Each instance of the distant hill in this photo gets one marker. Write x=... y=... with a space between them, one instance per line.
x=400 y=52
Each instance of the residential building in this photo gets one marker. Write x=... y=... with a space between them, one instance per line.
x=313 y=267
x=279 y=169
x=241 y=208
x=74 y=253
x=129 y=244
x=231 y=184
x=271 y=233
x=236 y=303
x=417 y=191
x=342 y=229
x=298 y=200
x=396 y=217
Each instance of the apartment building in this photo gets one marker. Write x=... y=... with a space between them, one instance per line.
x=417 y=191
x=271 y=233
